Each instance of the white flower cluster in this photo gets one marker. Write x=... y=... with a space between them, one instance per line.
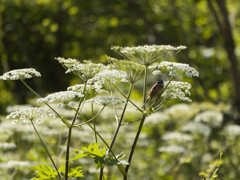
x=108 y=74
x=172 y=149
x=5 y=145
x=20 y=74
x=213 y=118
x=85 y=70
x=196 y=128
x=177 y=137
x=27 y=115
x=61 y=97
x=95 y=88
x=177 y=90
x=134 y=71
x=14 y=164
x=174 y=69
x=233 y=130
x=107 y=101
x=147 y=54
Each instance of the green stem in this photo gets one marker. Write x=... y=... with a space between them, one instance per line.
x=118 y=127
x=120 y=121
x=115 y=110
x=46 y=149
x=62 y=119
x=93 y=130
x=140 y=125
x=94 y=124
x=91 y=118
x=145 y=84
x=126 y=98
x=134 y=145
x=70 y=134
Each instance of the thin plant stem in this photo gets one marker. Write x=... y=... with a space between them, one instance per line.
x=62 y=119
x=91 y=118
x=46 y=149
x=94 y=124
x=145 y=84
x=140 y=126
x=118 y=127
x=115 y=110
x=93 y=130
x=70 y=134
x=134 y=145
x=126 y=98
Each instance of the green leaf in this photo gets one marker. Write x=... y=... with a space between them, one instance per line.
x=101 y=157
x=75 y=172
x=47 y=172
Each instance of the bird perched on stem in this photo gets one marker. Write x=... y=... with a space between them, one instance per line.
x=154 y=92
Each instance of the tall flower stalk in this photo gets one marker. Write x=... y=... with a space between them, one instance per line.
x=136 y=65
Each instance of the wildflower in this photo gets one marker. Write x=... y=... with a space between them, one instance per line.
x=172 y=149
x=232 y=130
x=5 y=145
x=20 y=74
x=214 y=118
x=108 y=74
x=177 y=90
x=79 y=88
x=107 y=101
x=61 y=97
x=147 y=54
x=85 y=70
x=134 y=71
x=30 y=114
x=175 y=68
x=177 y=136
x=196 y=127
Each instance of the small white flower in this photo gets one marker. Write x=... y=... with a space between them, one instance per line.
x=20 y=74
x=15 y=121
x=177 y=90
x=30 y=114
x=156 y=72
x=195 y=127
x=96 y=88
x=147 y=54
x=177 y=136
x=176 y=68
x=111 y=75
x=232 y=130
x=107 y=101
x=85 y=70
x=6 y=145
x=214 y=118
x=134 y=71
x=61 y=97
x=172 y=149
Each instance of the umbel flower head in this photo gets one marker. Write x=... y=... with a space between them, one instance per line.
x=85 y=70
x=177 y=90
x=174 y=69
x=134 y=71
x=30 y=114
x=95 y=88
x=20 y=74
x=61 y=97
x=109 y=74
x=107 y=101
x=147 y=54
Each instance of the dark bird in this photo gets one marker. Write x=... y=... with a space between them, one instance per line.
x=154 y=92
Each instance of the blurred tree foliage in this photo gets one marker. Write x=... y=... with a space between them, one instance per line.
x=34 y=32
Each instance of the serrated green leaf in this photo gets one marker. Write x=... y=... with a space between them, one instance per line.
x=76 y=172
